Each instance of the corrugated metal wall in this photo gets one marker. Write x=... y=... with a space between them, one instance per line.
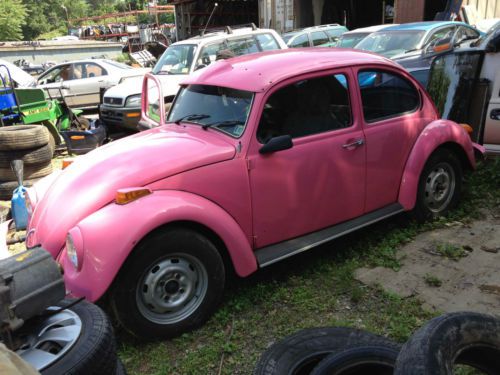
x=485 y=8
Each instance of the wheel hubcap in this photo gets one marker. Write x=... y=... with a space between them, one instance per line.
x=172 y=289
x=51 y=338
x=439 y=187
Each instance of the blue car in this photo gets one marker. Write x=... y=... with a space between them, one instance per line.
x=414 y=45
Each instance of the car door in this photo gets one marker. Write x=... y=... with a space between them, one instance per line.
x=392 y=121
x=87 y=80
x=491 y=138
x=318 y=182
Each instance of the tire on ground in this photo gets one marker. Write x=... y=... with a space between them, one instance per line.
x=34 y=156
x=81 y=123
x=467 y=338
x=29 y=172
x=8 y=187
x=22 y=137
x=136 y=296
x=299 y=353
x=94 y=353
x=441 y=168
x=375 y=359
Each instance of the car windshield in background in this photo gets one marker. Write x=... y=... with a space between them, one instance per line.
x=349 y=41
x=288 y=36
x=391 y=43
x=222 y=108
x=177 y=59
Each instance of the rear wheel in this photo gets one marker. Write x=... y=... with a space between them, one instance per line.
x=439 y=186
x=171 y=284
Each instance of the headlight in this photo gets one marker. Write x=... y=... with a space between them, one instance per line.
x=74 y=247
x=133 y=101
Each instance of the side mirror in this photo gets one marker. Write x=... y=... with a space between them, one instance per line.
x=283 y=142
x=152 y=102
x=494 y=43
x=439 y=46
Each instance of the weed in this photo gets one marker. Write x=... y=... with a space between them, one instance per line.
x=450 y=251
x=433 y=281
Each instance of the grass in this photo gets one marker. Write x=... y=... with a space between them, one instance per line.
x=433 y=280
x=310 y=290
x=450 y=251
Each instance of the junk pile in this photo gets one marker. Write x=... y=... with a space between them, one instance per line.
x=461 y=338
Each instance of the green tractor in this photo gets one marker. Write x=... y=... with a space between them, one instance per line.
x=37 y=106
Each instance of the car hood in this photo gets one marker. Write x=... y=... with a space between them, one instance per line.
x=91 y=182
x=133 y=86
x=18 y=75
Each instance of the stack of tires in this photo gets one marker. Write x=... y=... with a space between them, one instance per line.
x=462 y=338
x=30 y=143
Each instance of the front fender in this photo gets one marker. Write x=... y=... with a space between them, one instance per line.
x=434 y=135
x=110 y=234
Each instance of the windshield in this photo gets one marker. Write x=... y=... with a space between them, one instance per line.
x=221 y=108
x=286 y=37
x=177 y=59
x=350 y=40
x=391 y=43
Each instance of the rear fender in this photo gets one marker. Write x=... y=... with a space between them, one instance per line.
x=439 y=133
x=110 y=234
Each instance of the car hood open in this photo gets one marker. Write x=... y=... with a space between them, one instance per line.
x=91 y=182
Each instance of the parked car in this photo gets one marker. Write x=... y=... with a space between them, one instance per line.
x=122 y=104
x=19 y=76
x=82 y=80
x=349 y=39
x=157 y=219
x=465 y=85
x=315 y=36
x=415 y=45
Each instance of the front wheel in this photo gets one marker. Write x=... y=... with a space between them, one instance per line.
x=171 y=284
x=439 y=186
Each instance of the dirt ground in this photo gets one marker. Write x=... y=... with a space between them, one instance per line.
x=450 y=269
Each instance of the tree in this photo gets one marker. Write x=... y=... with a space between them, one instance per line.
x=12 y=18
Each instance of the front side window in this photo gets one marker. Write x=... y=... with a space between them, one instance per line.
x=176 y=59
x=221 y=108
x=441 y=33
x=306 y=107
x=385 y=95
x=300 y=41
x=210 y=53
x=267 y=42
x=319 y=38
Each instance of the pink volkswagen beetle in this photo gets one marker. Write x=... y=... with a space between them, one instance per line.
x=261 y=157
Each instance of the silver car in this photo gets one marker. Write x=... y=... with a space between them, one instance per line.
x=81 y=81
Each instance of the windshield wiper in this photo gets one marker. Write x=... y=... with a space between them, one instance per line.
x=223 y=124
x=190 y=117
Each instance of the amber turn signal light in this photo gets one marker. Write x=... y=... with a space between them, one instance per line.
x=66 y=163
x=467 y=128
x=124 y=196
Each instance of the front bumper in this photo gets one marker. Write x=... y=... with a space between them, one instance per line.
x=121 y=117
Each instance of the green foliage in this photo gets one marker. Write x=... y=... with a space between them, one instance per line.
x=12 y=18
x=432 y=280
x=451 y=251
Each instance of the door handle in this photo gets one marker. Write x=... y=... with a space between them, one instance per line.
x=357 y=143
x=495 y=114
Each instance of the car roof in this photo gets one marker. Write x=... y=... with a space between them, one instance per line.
x=424 y=26
x=222 y=34
x=370 y=29
x=256 y=72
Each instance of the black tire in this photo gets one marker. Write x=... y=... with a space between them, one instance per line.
x=439 y=186
x=189 y=264
x=37 y=156
x=299 y=353
x=30 y=172
x=457 y=338
x=23 y=137
x=93 y=352
x=6 y=188
x=373 y=360
x=120 y=368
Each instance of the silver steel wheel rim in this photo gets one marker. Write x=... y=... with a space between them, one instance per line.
x=51 y=339
x=439 y=187
x=172 y=289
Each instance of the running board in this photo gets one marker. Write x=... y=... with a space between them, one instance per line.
x=274 y=253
